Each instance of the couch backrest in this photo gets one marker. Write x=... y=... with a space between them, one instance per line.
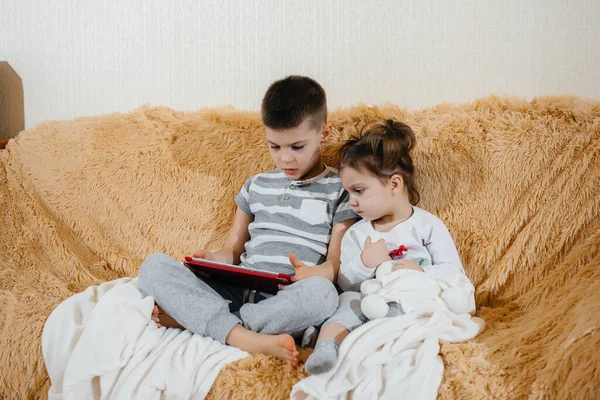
x=516 y=182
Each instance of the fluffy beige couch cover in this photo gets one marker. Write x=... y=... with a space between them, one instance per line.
x=517 y=183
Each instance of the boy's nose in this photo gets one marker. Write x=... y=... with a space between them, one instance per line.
x=286 y=158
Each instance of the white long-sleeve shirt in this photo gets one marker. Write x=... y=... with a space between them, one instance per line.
x=423 y=234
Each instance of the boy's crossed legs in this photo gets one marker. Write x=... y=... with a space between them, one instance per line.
x=265 y=327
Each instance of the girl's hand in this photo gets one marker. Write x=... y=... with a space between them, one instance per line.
x=406 y=264
x=374 y=254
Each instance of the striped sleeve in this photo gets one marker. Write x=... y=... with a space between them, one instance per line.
x=342 y=210
x=242 y=199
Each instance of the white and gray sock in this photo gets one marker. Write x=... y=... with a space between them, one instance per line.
x=323 y=358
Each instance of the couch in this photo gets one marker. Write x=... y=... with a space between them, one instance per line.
x=516 y=181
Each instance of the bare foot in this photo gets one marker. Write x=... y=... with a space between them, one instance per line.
x=163 y=319
x=280 y=346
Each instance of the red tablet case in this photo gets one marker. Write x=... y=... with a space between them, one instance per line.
x=265 y=281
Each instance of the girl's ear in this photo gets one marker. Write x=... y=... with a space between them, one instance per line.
x=326 y=131
x=396 y=184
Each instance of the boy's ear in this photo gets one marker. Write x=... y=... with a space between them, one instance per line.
x=326 y=131
x=397 y=184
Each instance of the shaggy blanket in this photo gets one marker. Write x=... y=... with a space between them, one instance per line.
x=516 y=182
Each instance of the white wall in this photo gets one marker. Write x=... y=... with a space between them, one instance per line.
x=90 y=57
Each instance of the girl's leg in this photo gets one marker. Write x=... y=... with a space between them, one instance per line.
x=347 y=317
x=333 y=331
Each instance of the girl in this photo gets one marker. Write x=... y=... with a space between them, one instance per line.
x=377 y=170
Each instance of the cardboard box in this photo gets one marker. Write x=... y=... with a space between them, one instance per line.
x=12 y=109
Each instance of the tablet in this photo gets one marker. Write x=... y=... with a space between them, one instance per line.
x=264 y=281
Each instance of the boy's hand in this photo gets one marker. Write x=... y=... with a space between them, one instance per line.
x=216 y=256
x=374 y=254
x=205 y=254
x=197 y=272
x=406 y=264
x=303 y=271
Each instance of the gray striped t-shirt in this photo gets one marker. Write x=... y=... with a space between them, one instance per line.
x=291 y=216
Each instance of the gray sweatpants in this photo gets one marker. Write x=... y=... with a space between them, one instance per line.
x=349 y=314
x=207 y=307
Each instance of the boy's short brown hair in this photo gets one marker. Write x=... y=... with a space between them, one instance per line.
x=289 y=101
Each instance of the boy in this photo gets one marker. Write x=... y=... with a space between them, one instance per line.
x=298 y=209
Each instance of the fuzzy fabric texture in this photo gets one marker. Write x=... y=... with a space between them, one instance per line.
x=517 y=183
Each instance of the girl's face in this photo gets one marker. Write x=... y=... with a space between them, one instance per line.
x=370 y=198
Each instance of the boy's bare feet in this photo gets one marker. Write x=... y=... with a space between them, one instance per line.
x=280 y=346
x=163 y=319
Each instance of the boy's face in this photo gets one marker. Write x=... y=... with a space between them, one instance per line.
x=297 y=151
